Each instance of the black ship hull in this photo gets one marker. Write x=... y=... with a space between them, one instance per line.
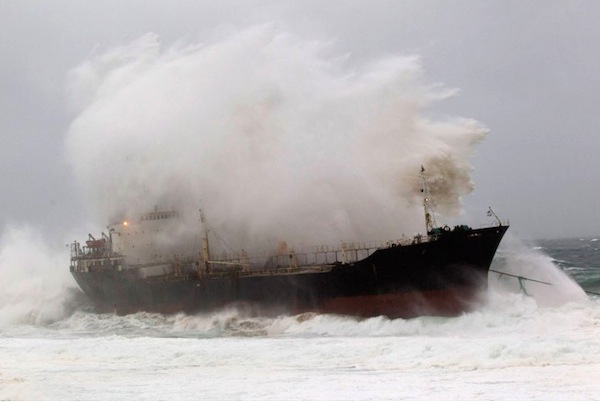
x=443 y=276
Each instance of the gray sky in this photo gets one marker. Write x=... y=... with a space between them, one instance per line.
x=528 y=70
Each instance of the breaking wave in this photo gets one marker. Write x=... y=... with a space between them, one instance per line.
x=35 y=284
x=503 y=311
x=540 y=276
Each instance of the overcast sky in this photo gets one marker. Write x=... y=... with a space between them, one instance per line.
x=528 y=70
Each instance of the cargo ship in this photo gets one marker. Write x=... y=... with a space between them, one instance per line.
x=440 y=273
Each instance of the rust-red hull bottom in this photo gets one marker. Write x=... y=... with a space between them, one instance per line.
x=405 y=305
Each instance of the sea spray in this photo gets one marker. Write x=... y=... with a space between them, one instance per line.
x=36 y=287
x=540 y=278
x=274 y=136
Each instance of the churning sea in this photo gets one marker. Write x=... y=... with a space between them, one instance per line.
x=528 y=341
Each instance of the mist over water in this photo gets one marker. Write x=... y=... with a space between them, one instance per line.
x=276 y=137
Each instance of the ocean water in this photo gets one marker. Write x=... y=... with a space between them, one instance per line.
x=528 y=341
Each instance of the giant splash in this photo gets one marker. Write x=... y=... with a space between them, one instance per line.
x=275 y=136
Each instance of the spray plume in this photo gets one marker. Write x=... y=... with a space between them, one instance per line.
x=35 y=288
x=517 y=258
x=278 y=139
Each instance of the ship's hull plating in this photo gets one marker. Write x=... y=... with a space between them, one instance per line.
x=441 y=277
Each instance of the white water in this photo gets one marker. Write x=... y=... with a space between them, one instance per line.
x=510 y=350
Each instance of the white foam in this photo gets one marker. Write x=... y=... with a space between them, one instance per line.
x=487 y=354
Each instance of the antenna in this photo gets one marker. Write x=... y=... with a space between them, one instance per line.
x=430 y=223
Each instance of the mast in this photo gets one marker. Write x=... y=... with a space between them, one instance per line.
x=204 y=252
x=492 y=213
x=430 y=223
